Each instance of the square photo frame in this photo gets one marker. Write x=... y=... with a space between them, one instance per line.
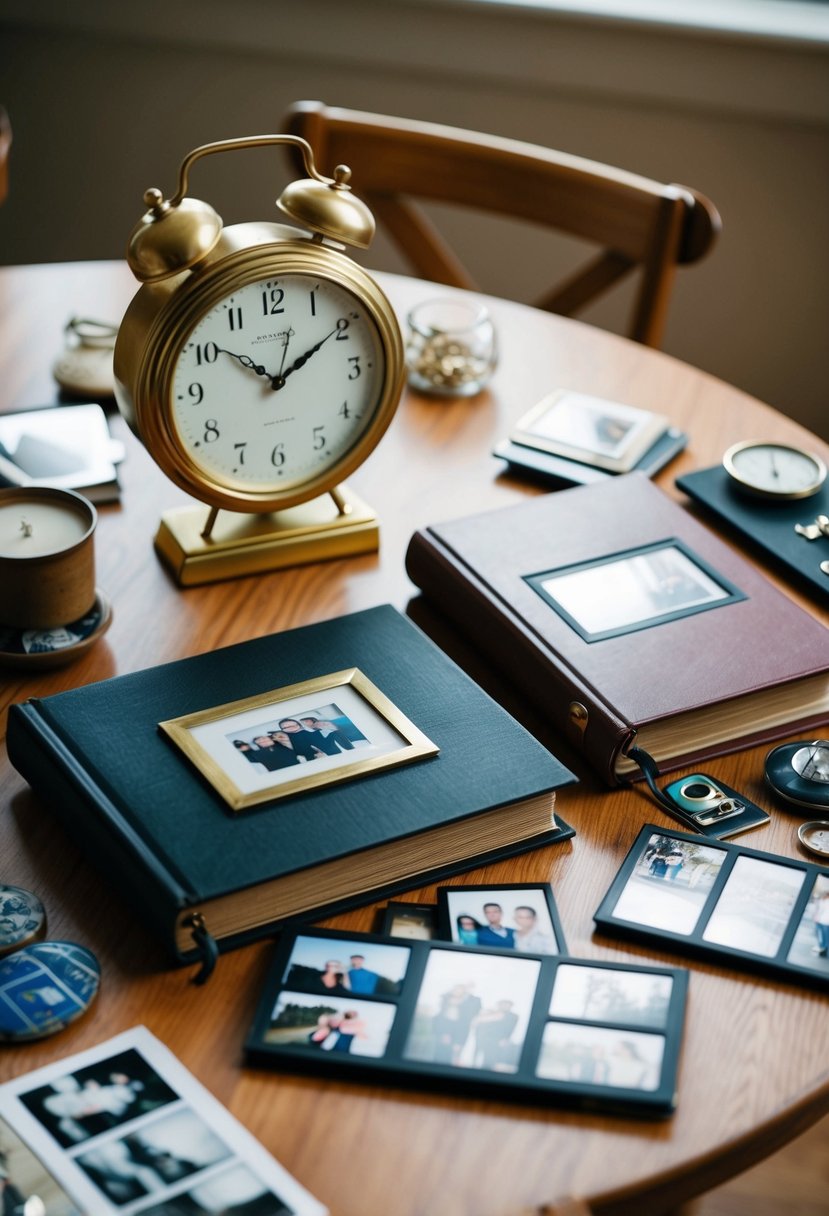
x=593 y=430
x=287 y=740
x=472 y=1020
x=723 y=902
x=520 y=917
x=635 y=589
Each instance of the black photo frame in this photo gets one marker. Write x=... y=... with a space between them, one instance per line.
x=533 y=1027
x=540 y=933
x=723 y=902
x=682 y=587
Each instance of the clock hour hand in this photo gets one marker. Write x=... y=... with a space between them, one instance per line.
x=278 y=382
x=246 y=361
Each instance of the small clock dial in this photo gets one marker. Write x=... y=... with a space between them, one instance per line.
x=277 y=382
x=775 y=471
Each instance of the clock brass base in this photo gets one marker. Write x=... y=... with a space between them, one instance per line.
x=252 y=544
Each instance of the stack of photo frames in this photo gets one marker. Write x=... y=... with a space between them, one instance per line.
x=477 y=994
x=124 y=1127
x=723 y=902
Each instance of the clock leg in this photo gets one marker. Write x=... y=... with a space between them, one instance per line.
x=208 y=527
x=340 y=501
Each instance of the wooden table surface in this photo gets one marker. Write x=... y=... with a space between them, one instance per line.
x=755 y=1066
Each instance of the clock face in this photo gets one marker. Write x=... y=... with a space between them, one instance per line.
x=775 y=471
x=277 y=383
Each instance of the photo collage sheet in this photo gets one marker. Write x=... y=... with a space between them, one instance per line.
x=723 y=901
x=477 y=991
x=124 y=1127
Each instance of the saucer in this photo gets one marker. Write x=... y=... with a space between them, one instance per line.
x=54 y=647
x=814 y=836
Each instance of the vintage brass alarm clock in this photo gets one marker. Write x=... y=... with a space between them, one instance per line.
x=259 y=365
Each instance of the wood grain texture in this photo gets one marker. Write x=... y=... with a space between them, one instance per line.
x=754 y=1069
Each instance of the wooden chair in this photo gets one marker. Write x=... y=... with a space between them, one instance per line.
x=5 y=149
x=638 y=223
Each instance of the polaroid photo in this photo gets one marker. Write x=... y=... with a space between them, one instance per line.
x=418 y=921
x=354 y=968
x=640 y=999
x=522 y=917
x=625 y=592
x=723 y=902
x=605 y=434
x=124 y=1127
x=601 y=1056
x=288 y=740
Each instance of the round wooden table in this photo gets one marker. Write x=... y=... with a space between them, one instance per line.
x=754 y=1066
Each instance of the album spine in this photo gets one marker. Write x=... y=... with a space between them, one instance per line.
x=572 y=707
x=93 y=821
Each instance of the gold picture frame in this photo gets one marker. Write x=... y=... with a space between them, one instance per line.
x=350 y=728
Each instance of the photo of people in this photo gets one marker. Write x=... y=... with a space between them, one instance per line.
x=669 y=884
x=755 y=906
x=331 y=965
x=598 y=1055
x=97 y=1098
x=631 y=590
x=410 y=920
x=810 y=947
x=26 y=1186
x=274 y=744
x=151 y=1158
x=235 y=1191
x=335 y=1024
x=514 y=919
x=603 y=994
x=472 y=1010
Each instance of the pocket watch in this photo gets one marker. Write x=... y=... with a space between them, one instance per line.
x=774 y=471
x=259 y=365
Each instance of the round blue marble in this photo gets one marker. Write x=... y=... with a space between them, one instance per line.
x=45 y=987
x=22 y=918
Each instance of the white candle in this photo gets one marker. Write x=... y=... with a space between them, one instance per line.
x=47 y=565
x=29 y=528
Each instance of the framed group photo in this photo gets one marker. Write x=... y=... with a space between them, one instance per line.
x=287 y=740
x=490 y=1020
x=521 y=917
x=724 y=902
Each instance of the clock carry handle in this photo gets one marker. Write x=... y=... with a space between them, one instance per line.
x=179 y=233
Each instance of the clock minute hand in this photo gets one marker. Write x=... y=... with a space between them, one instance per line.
x=278 y=382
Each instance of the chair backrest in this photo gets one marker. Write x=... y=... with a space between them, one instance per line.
x=5 y=149
x=637 y=223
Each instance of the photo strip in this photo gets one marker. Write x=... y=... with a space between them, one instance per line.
x=522 y=917
x=124 y=1127
x=327 y=729
x=482 y=1019
x=723 y=902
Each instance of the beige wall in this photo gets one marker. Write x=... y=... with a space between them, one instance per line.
x=105 y=100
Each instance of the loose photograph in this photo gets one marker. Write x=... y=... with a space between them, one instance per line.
x=633 y=590
x=333 y=965
x=755 y=906
x=517 y=918
x=327 y=729
x=335 y=1024
x=595 y=431
x=605 y=994
x=235 y=1191
x=810 y=947
x=27 y=1188
x=472 y=1010
x=598 y=1055
x=82 y=1104
x=154 y=1156
x=669 y=884
x=416 y=921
